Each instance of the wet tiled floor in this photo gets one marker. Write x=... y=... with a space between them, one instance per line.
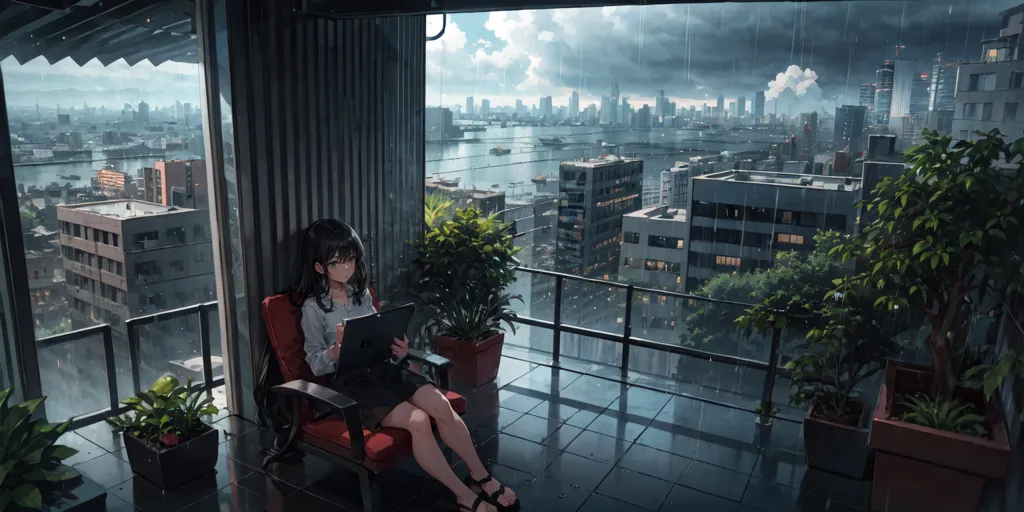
x=565 y=441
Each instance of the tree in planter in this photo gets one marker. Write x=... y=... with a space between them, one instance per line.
x=168 y=414
x=462 y=271
x=939 y=244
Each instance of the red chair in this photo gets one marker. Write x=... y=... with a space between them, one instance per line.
x=339 y=436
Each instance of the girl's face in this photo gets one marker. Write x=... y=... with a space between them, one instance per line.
x=339 y=270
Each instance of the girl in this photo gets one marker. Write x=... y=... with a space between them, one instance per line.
x=330 y=279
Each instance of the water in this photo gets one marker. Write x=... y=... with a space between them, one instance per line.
x=659 y=148
x=43 y=175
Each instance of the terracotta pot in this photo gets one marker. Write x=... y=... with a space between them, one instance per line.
x=920 y=468
x=835 y=446
x=473 y=362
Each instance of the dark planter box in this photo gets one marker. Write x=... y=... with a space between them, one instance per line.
x=171 y=467
x=837 y=447
x=920 y=468
x=473 y=362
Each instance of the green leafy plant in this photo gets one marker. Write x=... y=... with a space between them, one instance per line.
x=436 y=208
x=993 y=375
x=939 y=241
x=942 y=413
x=30 y=460
x=167 y=414
x=461 y=273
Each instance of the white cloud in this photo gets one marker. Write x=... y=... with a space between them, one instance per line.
x=793 y=78
x=546 y=36
x=484 y=43
x=453 y=40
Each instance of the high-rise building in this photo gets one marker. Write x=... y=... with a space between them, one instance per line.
x=143 y=112
x=520 y=108
x=189 y=117
x=112 y=182
x=625 y=112
x=574 y=105
x=674 y=185
x=546 y=108
x=980 y=104
x=613 y=99
x=867 y=96
x=732 y=109
x=942 y=93
x=903 y=78
x=470 y=107
x=660 y=104
x=643 y=117
x=180 y=183
x=590 y=218
x=721 y=107
x=808 y=136
x=883 y=91
x=849 y=131
x=485 y=107
x=439 y=125
x=772 y=212
x=741 y=107
x=124 y=259
x=758 y=106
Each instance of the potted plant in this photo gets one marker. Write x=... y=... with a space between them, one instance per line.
x=940 y=246
x=32 y=474
x=846 y=342
x=164 y=436
x=463 y=270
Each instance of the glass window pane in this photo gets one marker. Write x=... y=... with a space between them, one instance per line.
x=111 y=171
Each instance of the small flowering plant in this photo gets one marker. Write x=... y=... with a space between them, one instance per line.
x=167 y=414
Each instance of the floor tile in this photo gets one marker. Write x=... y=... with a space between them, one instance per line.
x=495 y=419
x=551 y=408
x=340 y=487
x=619 y=427
x=549 y=494
x=659 y=464
x=632 y=487
x=772 y=497
x=233 y=426
x=115 y=504
x=598 y=503
x=737 y=459
x=593 y=391
x=517 y=453
x=715 y=480
x=579 y=471
x=517 y=401
x=598 y=447
x=669 y=440
x=561 y=438
x=640 y=402
x=103 y=435
x=546 y=379
x=266 y=486
x=107 y=470
x=147 y=497
x=232 y=497
x=783 y=470
x=532 y=428
x=583 y=418
x=249 y=448
x=302 y=502
x=87 y=450
x=684 y=499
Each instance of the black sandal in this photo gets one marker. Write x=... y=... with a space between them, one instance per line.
x=493 y=497
x=476 y=504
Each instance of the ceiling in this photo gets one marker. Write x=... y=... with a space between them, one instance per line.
x=108 y=30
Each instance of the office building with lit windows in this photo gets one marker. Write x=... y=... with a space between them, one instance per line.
x=739 y=220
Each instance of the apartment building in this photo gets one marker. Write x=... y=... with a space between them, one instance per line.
x=180 y=183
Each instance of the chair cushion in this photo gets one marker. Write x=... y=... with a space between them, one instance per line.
x=379 y=445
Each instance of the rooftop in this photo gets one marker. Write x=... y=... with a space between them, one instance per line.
x=659 y=212
x=593 y=163
x=123 y=209
x=842 y=183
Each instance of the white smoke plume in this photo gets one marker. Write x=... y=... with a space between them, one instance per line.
x=796 y=79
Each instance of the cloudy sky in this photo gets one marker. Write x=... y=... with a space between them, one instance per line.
x=695 y=52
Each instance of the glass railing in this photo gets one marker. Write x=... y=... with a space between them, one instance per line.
x=74 y=384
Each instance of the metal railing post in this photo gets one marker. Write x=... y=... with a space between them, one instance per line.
x=771 y=371
x=133 y=355
x=204 y=350
x=556 y=331
x=108 y=359
x=627 y=331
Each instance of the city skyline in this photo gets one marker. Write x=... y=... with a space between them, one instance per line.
x=527 y=55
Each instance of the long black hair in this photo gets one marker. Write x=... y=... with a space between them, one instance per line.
x=321 y=242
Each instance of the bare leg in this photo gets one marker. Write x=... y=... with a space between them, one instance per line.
x=427 y=453
x=455 y=434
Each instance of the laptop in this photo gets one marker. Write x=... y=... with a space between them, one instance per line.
x=368 y=338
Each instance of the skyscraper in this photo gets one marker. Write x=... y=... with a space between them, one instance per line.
x=883 y=91
x=808 y=136
x=643 y=117
x=741 y=106
x=721 y=107
x=143 y=112
x=659 y=103
x=470 y=107
x=485 y=107
x=849 y=131
x=574 y=105
x=867 y=96
x=546 y=108
x=902 y=87
x=758 y=106
x=625 y=112
x=942 y=94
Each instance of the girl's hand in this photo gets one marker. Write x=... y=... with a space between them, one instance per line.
x=401 y=347
x=339 y=334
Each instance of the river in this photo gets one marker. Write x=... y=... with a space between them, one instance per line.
x=42 y=175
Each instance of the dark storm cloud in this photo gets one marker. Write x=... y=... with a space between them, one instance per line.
x=698 y=51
